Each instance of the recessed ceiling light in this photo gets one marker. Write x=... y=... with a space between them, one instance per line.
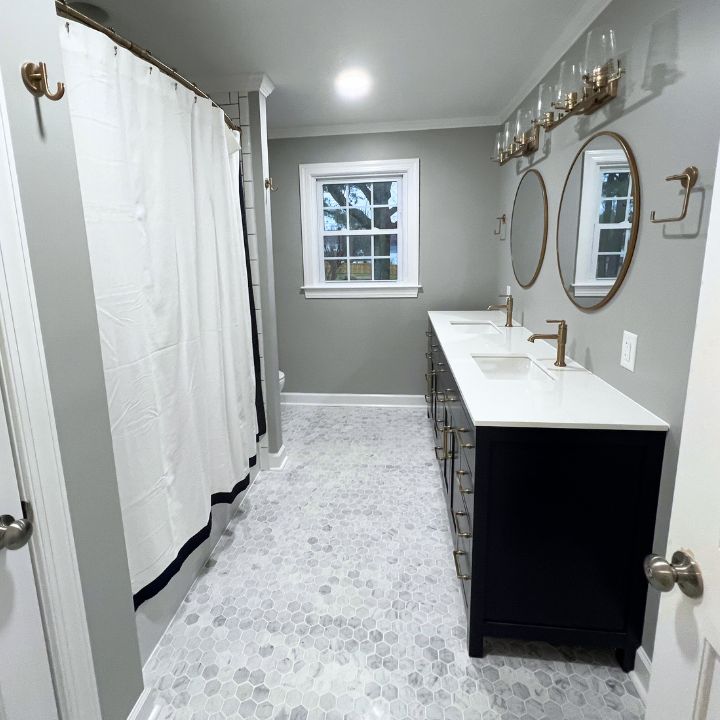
x=353 y=83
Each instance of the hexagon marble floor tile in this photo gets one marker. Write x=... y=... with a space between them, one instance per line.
x=332 y=596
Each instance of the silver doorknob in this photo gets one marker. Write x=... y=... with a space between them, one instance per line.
x=14 y=534
x=683 y=571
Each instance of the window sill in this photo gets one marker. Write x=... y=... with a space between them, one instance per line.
x=356 y=291
x=592 y=289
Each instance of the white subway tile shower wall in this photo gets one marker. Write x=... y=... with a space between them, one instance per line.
x=235 y=104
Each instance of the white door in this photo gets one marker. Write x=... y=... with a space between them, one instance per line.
x=26 y=689
x=685 y=682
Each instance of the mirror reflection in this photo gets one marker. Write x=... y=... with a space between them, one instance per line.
x=528 y=231
x=598 y=220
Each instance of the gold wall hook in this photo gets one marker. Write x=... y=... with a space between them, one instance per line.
x=269 y=185
x=502 y=220
x=35 y=77
x=687 y=179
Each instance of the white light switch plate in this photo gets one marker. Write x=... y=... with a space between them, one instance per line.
x=628 y=350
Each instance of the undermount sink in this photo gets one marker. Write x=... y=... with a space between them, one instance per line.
x=511 y=367
x=475 y=328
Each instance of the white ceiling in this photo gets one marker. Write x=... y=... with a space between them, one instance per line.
x=435 y=63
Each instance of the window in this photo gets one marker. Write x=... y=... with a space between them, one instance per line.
x=360 y=229
x=606 y=214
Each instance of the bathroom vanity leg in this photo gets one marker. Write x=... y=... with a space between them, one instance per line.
x=476 y=646
x=626 y=657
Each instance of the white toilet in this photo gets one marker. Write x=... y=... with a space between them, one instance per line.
x=281 y=378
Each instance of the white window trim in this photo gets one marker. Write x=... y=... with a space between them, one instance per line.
x=585 y=284
x=314 y=283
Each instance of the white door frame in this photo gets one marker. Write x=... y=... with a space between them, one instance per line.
x=31 y=421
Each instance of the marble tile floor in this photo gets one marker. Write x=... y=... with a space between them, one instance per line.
x=332 y=596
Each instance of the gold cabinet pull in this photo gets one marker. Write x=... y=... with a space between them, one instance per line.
x=35 y=77
x=466 y=533
x=443 y=447
x=467 y=446
x=458 y=572
x=463 y=490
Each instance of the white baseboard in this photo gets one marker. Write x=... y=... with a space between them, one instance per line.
x=145 y=707
x=640 y=676
x=276 y=461
x=351 y=400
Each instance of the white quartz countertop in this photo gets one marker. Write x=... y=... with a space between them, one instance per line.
x=548 y=396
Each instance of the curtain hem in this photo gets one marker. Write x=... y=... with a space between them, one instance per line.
x=161 y=581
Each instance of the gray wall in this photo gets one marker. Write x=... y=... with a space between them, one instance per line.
x=669 y=112
x=377 y=345
x=50 y=195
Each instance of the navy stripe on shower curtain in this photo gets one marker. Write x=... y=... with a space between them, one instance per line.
x=154 y=587
x=259 y=404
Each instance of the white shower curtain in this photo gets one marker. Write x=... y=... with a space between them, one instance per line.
x=166 y=248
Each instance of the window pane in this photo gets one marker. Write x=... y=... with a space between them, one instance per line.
x=335 y=220
x=386 y=269
x=613 y=211
x=386 y=245
x=386 y=218
x=334 y=195
x=615 y=184
x=359 y=194
x=336 y=270
x=385 y=193
x=335 y=246
x=360 y=246
x=360 y=218
x=608 y=266
x=361 y=269
x=612 y=241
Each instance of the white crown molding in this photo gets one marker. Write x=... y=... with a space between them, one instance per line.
x=381 y=127
x=564 y=41
x=242 y=82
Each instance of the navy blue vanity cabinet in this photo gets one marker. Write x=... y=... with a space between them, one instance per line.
x=550 y=529
x=441 y=388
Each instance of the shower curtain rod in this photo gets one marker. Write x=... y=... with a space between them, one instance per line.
x=64 y=10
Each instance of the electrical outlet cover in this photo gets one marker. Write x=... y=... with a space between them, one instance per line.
x=628 y=350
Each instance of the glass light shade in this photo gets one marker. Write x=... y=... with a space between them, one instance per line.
x=575 y=78
x=527 y=117
x=498 y=145
x=517 y=126
x=546 y=95
x=600 y=50
x=560 y=88
x=507 y=136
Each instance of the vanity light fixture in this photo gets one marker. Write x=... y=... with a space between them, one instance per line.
x=581 y=89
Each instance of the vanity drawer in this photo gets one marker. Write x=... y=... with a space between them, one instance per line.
x=464 y=447
x=462 y=557
x=464 y=487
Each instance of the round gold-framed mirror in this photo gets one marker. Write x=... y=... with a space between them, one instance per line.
x=598 y=220
x=528 y=228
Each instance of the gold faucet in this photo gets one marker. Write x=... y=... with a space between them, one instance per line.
x=561 y=338
x=508 y=307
